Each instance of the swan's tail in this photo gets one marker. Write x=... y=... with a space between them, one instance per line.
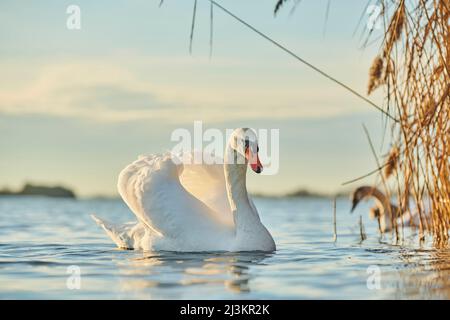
x=123 y=235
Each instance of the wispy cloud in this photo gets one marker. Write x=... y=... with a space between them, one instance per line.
x=106 y=90
x=83 y=89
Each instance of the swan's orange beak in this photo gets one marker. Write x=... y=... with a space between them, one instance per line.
x=253 y=160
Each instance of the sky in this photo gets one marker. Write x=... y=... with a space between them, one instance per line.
x=77 y=106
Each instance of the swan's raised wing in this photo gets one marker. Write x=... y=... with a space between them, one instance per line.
x=132 y=184
x=150 y=186
x=207 y=183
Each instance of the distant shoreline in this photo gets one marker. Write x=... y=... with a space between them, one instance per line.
x=302 y=193
x=64 y=192
x=38 y=190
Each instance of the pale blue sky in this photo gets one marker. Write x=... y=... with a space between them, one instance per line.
x=77 y=106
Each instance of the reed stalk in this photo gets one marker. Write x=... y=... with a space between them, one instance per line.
x=334 y=221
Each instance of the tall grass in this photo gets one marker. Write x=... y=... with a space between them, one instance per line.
x=413 y=69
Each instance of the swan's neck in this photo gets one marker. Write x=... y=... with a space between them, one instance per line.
x=235 y=176
x=382 y=201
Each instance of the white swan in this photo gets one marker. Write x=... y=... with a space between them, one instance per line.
x=192 y=207
x=385 y=211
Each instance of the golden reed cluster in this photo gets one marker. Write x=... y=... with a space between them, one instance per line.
x=414 y=70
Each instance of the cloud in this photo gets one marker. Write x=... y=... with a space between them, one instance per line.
x=86 y=90
x=140 y=89
x=112 y=97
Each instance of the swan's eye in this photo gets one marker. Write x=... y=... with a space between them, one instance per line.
x=247 y=144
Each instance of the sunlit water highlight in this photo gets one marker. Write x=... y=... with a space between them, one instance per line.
x=41 y=237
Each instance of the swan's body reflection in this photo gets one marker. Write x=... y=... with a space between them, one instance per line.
x=233 y=271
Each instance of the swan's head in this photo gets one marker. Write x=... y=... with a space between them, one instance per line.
x=244 y=143
x=359 y=194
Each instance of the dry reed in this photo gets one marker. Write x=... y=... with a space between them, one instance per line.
x=414 y=70
x=334 y=221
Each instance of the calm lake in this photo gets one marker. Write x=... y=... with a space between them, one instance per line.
x=44 y=242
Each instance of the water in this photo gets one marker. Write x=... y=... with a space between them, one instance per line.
x=40 y=238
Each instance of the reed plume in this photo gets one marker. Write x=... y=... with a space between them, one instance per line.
x=375 y=74
x=392 y=162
